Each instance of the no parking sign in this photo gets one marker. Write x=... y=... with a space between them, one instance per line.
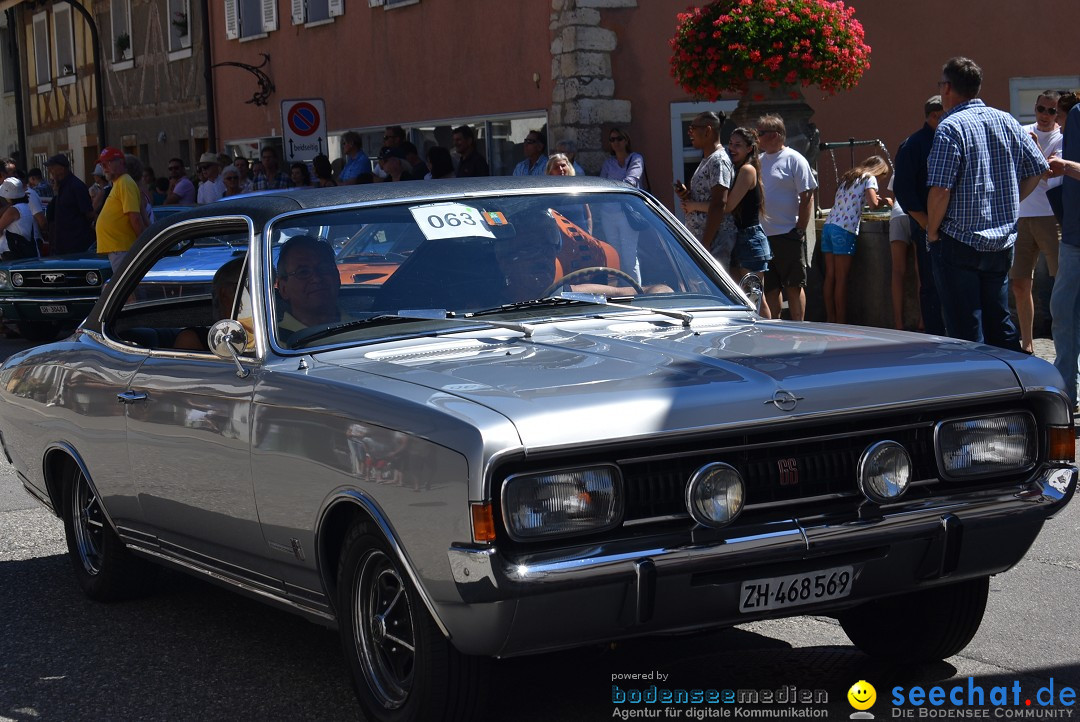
x=303 y=123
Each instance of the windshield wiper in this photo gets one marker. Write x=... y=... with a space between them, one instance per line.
x=588 y=299
x=313 y=334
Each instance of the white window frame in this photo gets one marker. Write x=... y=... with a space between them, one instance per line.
x=1023 y=92
x=120 y=23
x=299 y=12
x=681 y=151
x=63 y=30
x=42 y=52
x=265 y=22
x=179 y=43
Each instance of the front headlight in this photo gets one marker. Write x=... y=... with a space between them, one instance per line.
x=5 y=280
x=93 y=278
x=981 y=446
x=562 y=503
x=16 y=279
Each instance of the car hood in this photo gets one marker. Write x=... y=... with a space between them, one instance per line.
x=88 y=260
x=584 y=381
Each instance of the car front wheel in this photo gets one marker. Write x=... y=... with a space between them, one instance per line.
x=919 y=627
x=104 y=568
x=403 y=667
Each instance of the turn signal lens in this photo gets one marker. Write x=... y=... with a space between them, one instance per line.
x=483 y=523
x=1062 y=442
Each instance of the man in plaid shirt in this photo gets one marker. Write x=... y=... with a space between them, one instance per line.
x=272 y=178
x=980 y=167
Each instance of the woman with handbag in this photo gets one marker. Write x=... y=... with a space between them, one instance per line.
x=16 y=223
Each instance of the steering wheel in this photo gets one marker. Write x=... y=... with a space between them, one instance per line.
x=594 y=269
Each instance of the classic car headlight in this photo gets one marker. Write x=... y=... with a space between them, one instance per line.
x=715 y=494
x=561 y=503
x=986 y=445
x=884 y=471
x=5 y=280
x=93 y=278
x=16 y=279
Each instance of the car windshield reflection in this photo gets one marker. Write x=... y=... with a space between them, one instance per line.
x=511 y=255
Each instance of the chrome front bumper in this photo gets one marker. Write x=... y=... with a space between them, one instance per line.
x=895 y=548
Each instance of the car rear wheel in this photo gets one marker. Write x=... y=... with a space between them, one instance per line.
x=104 y=568
x=403 y=667
x=923 y=626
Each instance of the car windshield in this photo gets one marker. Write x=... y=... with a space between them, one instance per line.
x=500 y=258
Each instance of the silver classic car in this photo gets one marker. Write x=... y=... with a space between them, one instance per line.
x=542 y=400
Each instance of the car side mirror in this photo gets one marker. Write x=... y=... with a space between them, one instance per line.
x=752 y=287
x=228 y=339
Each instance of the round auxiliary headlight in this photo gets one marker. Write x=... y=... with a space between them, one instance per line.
x=16 y=279
x=93 y=278
x=715 y=494
x=884 y=471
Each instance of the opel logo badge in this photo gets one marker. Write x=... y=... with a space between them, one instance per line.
x=784 y=400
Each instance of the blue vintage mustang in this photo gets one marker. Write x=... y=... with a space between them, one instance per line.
x=552 y=420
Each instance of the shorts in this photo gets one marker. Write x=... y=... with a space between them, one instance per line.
x=1034 y=235
x=837 y=241
x=752 y=249
x=900 y=229
x=789 y=262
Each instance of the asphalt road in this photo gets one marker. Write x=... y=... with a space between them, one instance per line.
x=194 y=651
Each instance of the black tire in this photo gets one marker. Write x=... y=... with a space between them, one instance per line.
x=919 y=627
x=105 y=570
x=403 y=668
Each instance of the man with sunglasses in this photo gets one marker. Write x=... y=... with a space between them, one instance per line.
x=1037 y=228
x=181 y=189
x=536 y=159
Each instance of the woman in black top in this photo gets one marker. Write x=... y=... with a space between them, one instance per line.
x=744 y=202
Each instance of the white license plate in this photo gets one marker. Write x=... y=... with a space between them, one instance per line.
x=53 y=309
x=795 y=589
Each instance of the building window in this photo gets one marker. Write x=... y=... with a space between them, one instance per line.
x=179 y=24
x=122 y=48
x=7 y=60
x=1023 y=92
x=316 y=11
x=388 y=4
x=65 y=44
x=249 y=18
x=42 y=62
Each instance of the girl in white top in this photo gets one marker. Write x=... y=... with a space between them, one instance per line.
x=858 y=187
x=17 y=218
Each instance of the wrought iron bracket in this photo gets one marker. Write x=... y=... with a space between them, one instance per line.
x=266 y=85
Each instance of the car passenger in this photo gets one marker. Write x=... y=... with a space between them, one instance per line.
x=223 y=299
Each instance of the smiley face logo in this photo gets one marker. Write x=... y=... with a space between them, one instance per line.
x=862 y=695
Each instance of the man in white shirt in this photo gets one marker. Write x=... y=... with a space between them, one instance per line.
x=1037 y=228
x=37 y=209
x=789 y=186
x=213 y=187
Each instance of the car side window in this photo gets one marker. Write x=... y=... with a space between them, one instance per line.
x=190 y=285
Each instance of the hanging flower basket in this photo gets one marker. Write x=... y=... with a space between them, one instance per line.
x=727 y=44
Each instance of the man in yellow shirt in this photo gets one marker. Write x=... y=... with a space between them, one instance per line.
x=120 y=221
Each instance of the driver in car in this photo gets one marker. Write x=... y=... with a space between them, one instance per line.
x=527 y=261
x=308 y=283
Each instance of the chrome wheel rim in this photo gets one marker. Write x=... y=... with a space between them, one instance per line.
x=384 y=630
x=88 y=522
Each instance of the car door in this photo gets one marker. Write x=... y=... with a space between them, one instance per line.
x=188 y=417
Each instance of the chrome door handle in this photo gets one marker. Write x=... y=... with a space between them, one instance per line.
x=130 y=397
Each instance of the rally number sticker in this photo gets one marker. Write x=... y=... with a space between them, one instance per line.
x=450 y=220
